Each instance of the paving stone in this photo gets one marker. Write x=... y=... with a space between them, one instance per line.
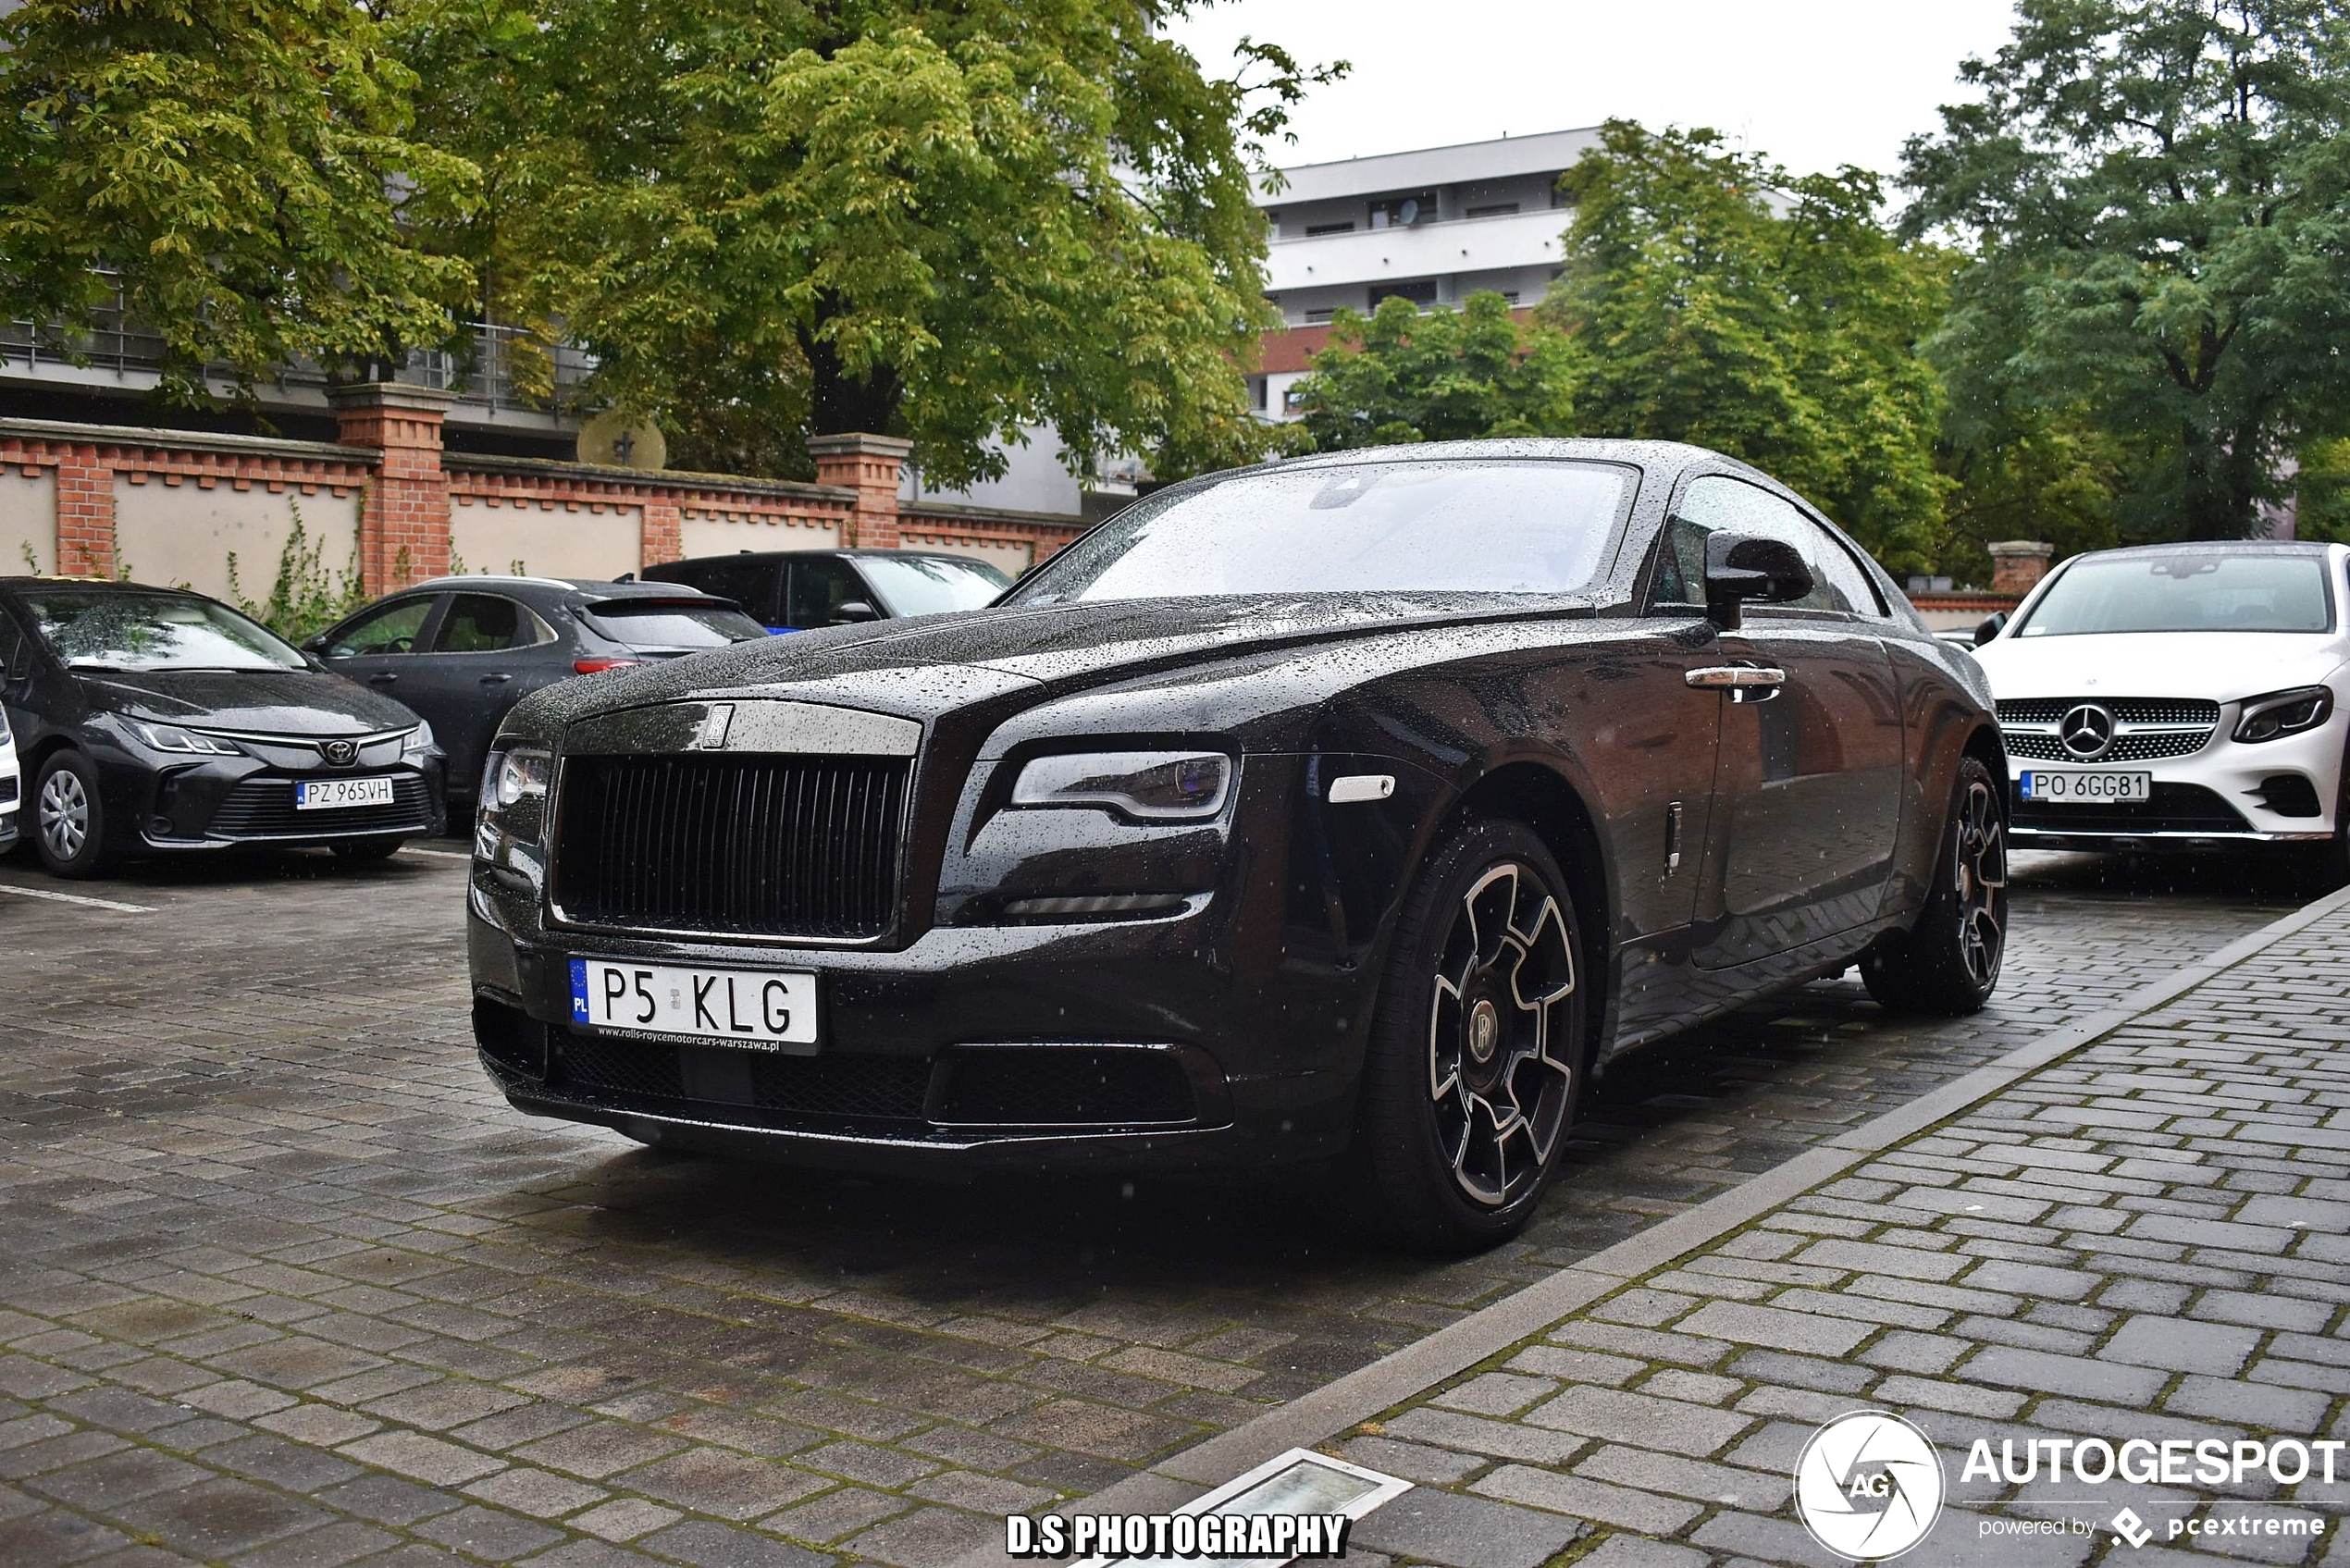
x=2288 y=1412
x=489 y=1532
x=730 y=1486
x=1671 y=1425
x=839 y=1513
x=1412 y=1462
x=1633 y=1551
x=1581 y=1498
x=1459 y=1531
x=1774 y=1328
x=2182 y=1345
x=421 y=1458
x=1473 y=1434
x=706 y=1545
x=1495 y=1393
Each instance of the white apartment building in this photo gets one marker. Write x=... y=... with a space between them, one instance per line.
x=1433 y=226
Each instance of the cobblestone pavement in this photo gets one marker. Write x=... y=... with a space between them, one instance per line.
x=2147 y=1238
x=284 y=1285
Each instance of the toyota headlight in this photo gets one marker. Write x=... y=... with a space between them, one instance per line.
x=416 y=742
x=2284 y=713
x=1150 y=786
x=178 y=742
x=513 y=801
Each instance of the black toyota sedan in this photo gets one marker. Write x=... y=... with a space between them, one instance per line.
x=1353 y=808
x=463 y=650
x=152 y=719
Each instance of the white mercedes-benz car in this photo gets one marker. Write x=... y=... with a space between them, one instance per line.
x=2180 y=696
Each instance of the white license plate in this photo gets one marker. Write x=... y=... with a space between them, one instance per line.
x=327 y=794
x=756 y=1009
x=2087 y=789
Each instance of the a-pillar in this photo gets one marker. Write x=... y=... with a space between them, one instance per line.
x=871 y=465
x=403 y=532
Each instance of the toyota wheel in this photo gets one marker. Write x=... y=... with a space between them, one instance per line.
x=68 y=818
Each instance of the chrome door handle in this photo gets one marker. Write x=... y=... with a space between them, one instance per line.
x=1720 y=677
x=495 y=680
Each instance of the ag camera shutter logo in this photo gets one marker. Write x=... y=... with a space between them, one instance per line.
x=1868 y=1486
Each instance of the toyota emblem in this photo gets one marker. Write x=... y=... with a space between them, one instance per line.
x=340 y=753
x=2086 y=731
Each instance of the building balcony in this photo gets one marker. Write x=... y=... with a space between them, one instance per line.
x=1425 y=250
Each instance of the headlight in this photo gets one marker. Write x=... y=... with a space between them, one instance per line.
x=2284 y=713
x=513 y=801
x=172 y=738
x=1151 y=786
x=416 y=741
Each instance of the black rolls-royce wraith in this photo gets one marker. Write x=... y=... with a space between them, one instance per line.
x=1353 y=807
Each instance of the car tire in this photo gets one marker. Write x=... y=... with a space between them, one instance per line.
x=1948 y=961
x=69 y=819
x=1478 y=1050
x=367 y=851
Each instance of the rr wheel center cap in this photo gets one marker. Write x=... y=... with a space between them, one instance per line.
x=1484 y=1030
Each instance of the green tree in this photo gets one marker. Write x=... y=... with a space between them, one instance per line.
x=1445 y=375
x=947 y=221
x=246 y=176
x=1716 y=299
x=2156 y=193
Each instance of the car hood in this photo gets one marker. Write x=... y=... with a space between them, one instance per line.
x=2213 y=666
x=283 y=702
x=923 y=666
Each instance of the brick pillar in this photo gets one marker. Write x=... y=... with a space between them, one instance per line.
x=2017 y=565
x=663 y=537
x=403 y=533
x=871 y=466
x=85 y=513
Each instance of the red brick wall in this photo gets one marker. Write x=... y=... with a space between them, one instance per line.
x=87 y=468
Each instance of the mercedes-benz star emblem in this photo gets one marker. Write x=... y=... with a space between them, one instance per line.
x=340 y=753
x=2086 y=731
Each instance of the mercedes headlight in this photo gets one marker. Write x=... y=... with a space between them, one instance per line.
x=178 y=742
x=1149 y=786
x=2284 y=713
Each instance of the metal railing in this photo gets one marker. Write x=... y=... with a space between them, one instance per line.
x=489 y=366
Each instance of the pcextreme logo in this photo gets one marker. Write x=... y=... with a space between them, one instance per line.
x=1868 y=1486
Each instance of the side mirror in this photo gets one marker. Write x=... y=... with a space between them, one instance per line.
x=1990 y=626
x=852 y=610
x=1739 y=567
x=315 y=646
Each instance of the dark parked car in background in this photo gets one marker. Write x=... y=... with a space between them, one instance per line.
x=159 y=719
x=797 y=590
x=463 y=650
x=1355 y=807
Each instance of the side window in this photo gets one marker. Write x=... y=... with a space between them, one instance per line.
x=1718 y=504
x=391 y=628
x=819 y=587
x=488 y=623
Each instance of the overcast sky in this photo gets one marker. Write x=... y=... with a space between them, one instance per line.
x=1814 y=83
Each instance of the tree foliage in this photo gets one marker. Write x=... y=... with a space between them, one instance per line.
x=1715 y=299
x=944 y=220
x=2158 y=196
x=248 y=177
x=1446 y=376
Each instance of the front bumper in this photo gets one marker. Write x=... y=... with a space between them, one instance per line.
x=2228 y=793
x=1113 y=1043
x=231 y=801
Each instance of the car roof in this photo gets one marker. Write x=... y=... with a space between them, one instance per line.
x=113 y=584
x=844 y=551
x=2221 y=547
x=592 y=588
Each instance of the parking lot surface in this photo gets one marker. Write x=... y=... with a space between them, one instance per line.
x=284 y=1283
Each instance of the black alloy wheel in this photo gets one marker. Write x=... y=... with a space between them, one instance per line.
x=1948 y=962
x=68 y=818
x=1478 y=1050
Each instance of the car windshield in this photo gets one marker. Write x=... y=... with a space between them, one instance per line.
x=1512 y=527
x=125 y=629
x=665 y=624
x=2184 y=591
x=930 y=584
